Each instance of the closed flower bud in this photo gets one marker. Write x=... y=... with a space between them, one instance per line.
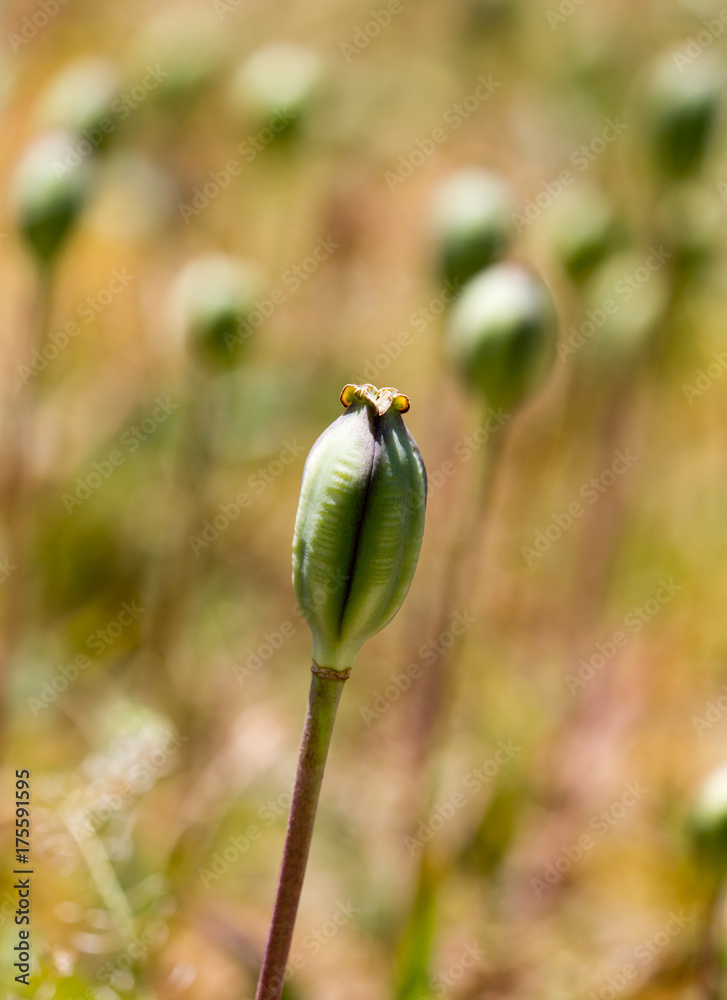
x=681 y=110
x=83 y=98
x=359 y=525
x=581 y=230
x=707 y=822
x=179 y=51
x=625 y=301
x=214 y=297
x=501 y=332
x=471 y=223
x=48 y=195
x=277 y=85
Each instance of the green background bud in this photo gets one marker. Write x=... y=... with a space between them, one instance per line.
x=501 y=332
x=81 y=98
x=627 y=295
x=278 y=80
x=471 y=223
x=581 y=229
x=359 y=525
x=185 y=44
x=213 y=296
x=48 y=195
x=707 y=823
x=681 y=111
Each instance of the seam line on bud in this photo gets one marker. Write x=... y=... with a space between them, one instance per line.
x=330 y=675
x=359 y=529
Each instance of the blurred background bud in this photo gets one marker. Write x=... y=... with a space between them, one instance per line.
x=691 y=229
x=471 y=223
x=82 y=98
x=279 y=81
x=624 y=301
x=581 y=230
x=185 y=48
x=707 y=823
x=501 y=332
x=47 y=194
x=680 y=111
x=213 y=297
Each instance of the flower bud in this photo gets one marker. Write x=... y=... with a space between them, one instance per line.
x=359 y=524
x=277 y=85
x=625 y=300
x=48 y=195
x=82 y=98
x=471 y=223
x=501 y=332
x=184 y=45
x=581 y=229
x=681 y=109
x=707 y=823
x=214 y=297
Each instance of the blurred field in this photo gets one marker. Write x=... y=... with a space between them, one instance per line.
x=156 y=668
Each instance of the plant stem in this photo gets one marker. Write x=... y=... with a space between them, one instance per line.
x=458 y=576
x=18 y=445
x=325 y=693
x=710 y=960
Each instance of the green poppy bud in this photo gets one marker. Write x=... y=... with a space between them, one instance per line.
x=707 y=822
x=581 y=230
x=81 y=98
x=214 y=297
x=471 y=223
x=501 y=333
x=691 y=229
x=186 y=45
x=624 y=302
x=681 y=112
x=277 y=85
x=48 y=195
x=359 y=525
